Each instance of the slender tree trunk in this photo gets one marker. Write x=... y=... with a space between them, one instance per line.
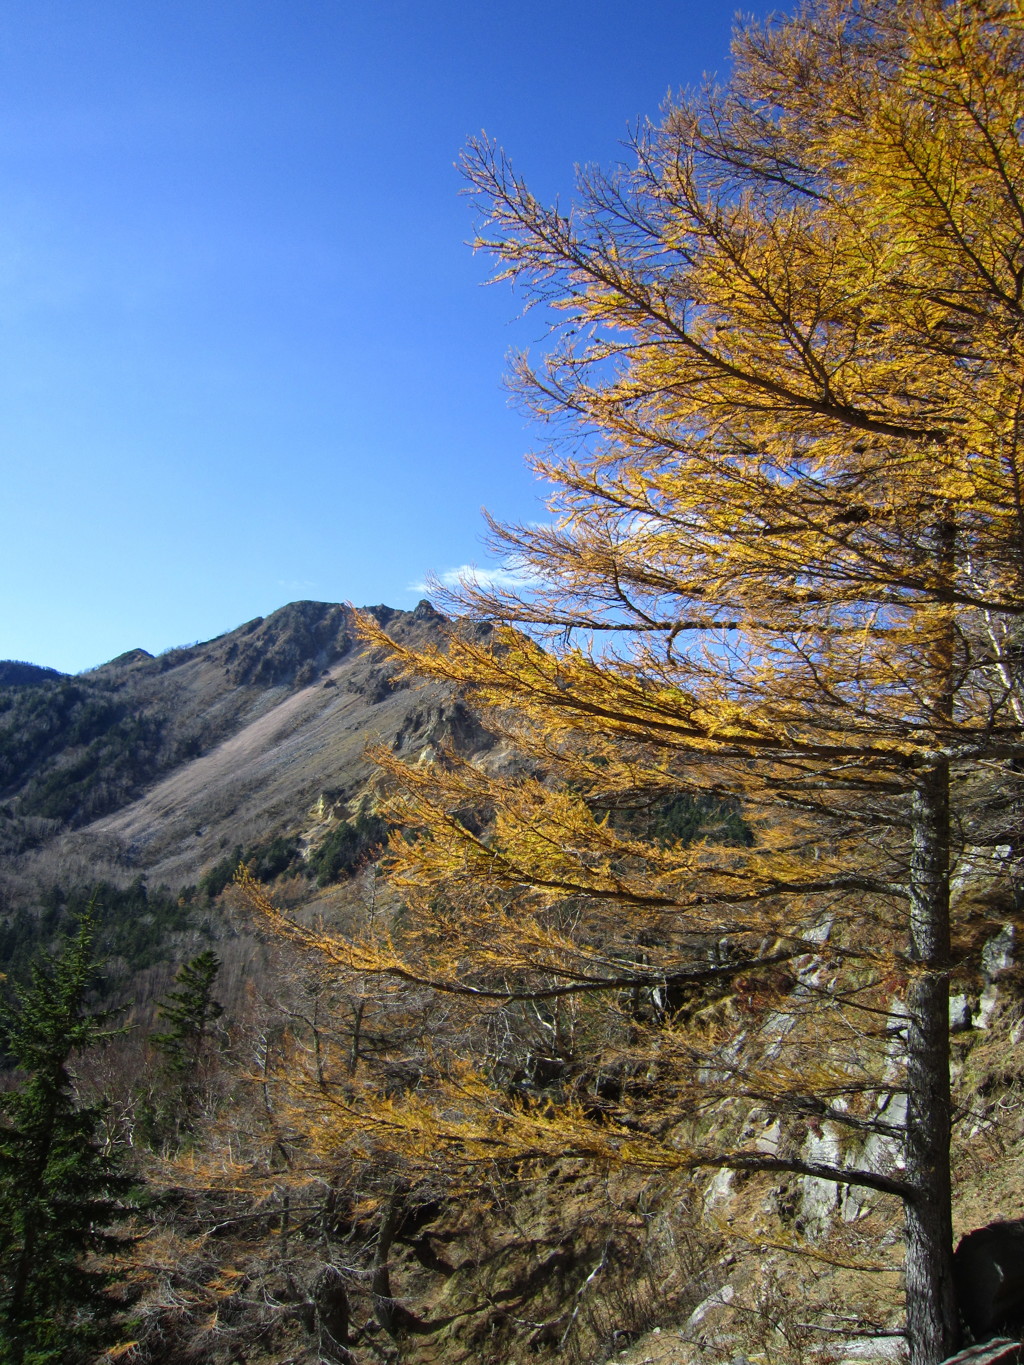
x=932 y=1326
x=358 y=1010
x=380 y=1278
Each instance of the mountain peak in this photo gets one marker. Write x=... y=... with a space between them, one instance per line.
x=292 y=645
x=130 y=656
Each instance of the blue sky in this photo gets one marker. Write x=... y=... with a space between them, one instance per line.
x=245 y=354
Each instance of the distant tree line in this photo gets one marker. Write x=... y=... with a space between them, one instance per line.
x=131 y=924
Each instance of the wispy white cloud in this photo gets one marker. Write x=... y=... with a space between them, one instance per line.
x=490 y=576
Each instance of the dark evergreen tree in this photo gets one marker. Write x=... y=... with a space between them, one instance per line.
x=190 y=1010
x=60 y=1190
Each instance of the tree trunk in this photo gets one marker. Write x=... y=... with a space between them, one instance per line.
x=357 y=1036
x=380 y=1279
x=932 y=1326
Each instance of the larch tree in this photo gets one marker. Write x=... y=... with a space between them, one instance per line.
x=782 y=577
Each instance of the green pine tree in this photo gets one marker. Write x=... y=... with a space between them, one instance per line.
x=189 y=1011
x=60 y=1191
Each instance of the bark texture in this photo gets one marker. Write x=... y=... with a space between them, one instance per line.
x=932 y=1323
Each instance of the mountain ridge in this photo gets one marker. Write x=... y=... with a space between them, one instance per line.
x=158 y=766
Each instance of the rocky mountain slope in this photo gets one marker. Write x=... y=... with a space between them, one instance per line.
x=162 y=767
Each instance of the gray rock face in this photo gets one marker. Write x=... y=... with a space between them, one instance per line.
x=988 y=1269
x=997 y=954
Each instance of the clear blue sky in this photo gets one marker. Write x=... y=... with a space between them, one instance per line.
x=245 y=354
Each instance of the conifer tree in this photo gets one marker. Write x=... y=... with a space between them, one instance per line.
x=60 y=1190
x=190 y=1010
x=783 y=571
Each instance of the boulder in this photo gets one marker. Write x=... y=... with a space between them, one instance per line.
x=988 y=1271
